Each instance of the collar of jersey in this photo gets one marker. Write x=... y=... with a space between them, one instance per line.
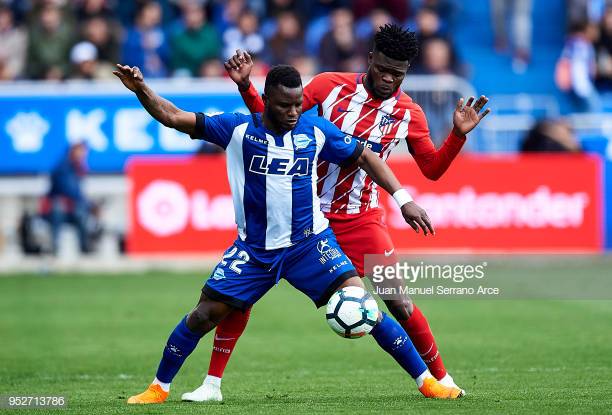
x=361 y=77
x=261 y=125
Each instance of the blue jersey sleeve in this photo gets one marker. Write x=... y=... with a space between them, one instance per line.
x=216 y=129
x=339 y=148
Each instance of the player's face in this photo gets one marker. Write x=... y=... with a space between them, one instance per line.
x=284 y=106
x=385 y=75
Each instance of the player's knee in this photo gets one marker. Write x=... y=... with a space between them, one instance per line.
x=201 y=318
x=400 y=308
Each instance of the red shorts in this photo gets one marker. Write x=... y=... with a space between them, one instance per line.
x=362 y=234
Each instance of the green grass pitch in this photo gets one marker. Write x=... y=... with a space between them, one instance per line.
x=98 y=339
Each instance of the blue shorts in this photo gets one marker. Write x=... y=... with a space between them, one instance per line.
x=316 y=266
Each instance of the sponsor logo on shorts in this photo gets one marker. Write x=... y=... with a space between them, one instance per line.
x=327 y=252
x=338 y=265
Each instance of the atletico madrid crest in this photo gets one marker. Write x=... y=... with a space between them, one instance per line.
x=386 y=124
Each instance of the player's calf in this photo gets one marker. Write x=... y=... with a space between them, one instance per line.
x=181 y=343
x=392 y=338
x=414 y=322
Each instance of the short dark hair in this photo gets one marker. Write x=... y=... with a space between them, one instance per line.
x=284 y=75
x=396 y=43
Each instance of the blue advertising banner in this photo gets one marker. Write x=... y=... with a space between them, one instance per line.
x=38 y=123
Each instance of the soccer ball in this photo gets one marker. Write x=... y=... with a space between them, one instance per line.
x=352 y=312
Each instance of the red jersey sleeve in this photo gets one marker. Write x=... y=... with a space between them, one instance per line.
x=433 y=163
x=252 y=99
x=313 y=91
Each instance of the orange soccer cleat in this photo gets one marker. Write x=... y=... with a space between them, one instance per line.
x=431 y=388
x=153 y=394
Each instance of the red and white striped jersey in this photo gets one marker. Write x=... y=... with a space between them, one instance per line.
x=379 y=124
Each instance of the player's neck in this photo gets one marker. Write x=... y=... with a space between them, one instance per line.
x=367 y=83
x=269 y=125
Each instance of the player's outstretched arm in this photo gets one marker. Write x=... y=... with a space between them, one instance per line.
x=161 y=109
x=382 y=175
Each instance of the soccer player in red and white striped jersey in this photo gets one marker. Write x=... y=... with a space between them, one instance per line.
x=372 y=108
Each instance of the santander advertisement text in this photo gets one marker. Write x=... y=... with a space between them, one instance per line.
x=539 y=203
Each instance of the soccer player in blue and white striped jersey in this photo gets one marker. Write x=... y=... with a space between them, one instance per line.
x=271 y=160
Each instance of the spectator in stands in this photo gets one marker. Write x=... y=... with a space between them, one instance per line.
x=604 y=52
x=519 y=14
x=288 y=41
x=276 y=7
x=438 y=58
x=212 y=68
x=364 y=8
x=145 y=44
x=339 y=48
x=445 y=9
x=50 y=40
x=87 y=9
x=306 y=65
x=367 y=27
x=550 y=136
x=311 y=10
x=195 y=43
x=428 y=26
x=227 y=13
x=244 y=36
x=67 y=201
x=576 y=68
x=85 y=64
x=13 y=40
x=103 y=34
x=585 y=10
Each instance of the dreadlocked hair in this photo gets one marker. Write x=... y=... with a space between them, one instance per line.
x=396 y=43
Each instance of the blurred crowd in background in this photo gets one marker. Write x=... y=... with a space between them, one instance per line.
x=58 y=39
x=82 y=39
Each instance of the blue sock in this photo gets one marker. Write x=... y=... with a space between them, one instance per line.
x=394 y=340
x=180 y=344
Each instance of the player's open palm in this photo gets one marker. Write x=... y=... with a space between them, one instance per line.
x=416 y=217
x=239 y=68
x=467 y=116
x=130 y=76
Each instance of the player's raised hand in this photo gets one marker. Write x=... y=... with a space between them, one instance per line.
x=130 y=76
x=467 y=116
x=239 y=67
x=416 y=217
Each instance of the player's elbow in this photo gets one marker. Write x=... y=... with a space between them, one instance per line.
x=433 y=174
x=170 y=121
x=431 y=171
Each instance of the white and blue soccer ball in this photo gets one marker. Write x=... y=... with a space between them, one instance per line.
x=352 y=312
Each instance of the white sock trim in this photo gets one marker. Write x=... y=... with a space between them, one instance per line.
x=165 y=386
x=212 y=380
x=447 y=378
x=421 y=379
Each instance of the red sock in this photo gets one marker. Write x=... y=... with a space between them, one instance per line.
x=422 y=338
x=227 y=334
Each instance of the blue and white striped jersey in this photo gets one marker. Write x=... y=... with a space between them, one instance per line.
x=273 y=178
